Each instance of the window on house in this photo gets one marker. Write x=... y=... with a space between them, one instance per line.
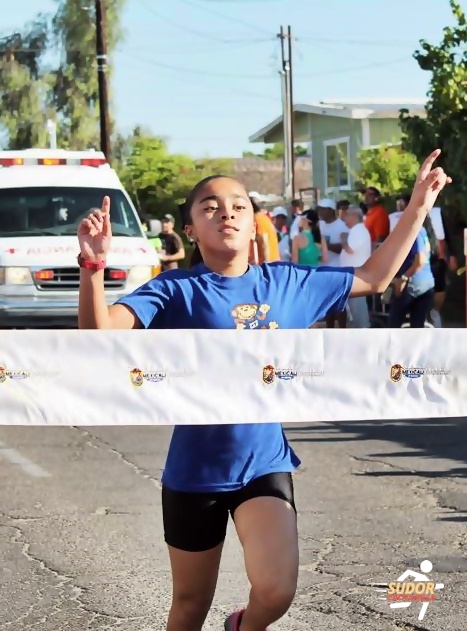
x=337 y=164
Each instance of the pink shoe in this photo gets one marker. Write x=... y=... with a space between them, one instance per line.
x=233 y=621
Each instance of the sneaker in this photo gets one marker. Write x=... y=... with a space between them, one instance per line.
x=233 y=621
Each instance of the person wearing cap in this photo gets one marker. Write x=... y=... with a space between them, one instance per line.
x=172 y=244
x=356 y=250
x=279 y=218
x=376 y=218
x=332 y=228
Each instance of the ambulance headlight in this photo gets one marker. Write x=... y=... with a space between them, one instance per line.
x=139 y=275
x=15 y=276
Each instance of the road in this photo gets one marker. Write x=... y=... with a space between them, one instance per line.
x=81 y=544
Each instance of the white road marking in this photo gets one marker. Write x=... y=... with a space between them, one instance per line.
x=14 y=457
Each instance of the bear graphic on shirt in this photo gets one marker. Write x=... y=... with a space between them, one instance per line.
x=252 y=316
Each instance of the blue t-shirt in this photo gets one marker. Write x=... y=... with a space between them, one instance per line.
x=212 y=458
x=423 y=279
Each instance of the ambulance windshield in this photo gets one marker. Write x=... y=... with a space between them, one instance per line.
x=56 y=211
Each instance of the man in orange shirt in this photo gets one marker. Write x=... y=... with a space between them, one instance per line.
x=376 y=218
x=266 y=237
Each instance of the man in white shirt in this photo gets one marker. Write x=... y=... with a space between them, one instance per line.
x=356 y=250
x=332 y=228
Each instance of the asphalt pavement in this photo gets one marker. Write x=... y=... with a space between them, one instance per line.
x=81 y=545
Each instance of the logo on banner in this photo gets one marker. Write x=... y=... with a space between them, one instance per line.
x=270 y=373
x=398 y=371
x=138 y=377
x=12 y=374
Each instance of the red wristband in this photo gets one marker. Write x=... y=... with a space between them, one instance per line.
x=94 y=266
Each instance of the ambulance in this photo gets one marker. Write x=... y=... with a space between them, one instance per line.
x=44 y=194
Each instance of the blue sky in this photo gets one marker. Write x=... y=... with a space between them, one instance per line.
x=204 y=73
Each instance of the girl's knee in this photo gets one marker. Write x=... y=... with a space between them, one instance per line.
x=191 y=609
x=275 y=593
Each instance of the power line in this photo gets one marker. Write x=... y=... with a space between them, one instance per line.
x=205 y=73
x=212 y=11
x=208 y=49
x=181 y=27
x=356 y=42
x=376 y=64
x=186 y=75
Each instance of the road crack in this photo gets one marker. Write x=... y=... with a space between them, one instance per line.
x=65 y=581
x=91 y=442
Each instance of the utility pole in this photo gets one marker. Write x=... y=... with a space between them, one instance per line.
x=101 y=56
x=291 y=106
x=287 y=113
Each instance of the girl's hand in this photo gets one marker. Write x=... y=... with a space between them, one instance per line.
x=430 y=182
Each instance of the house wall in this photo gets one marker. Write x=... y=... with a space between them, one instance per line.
x=384 y=131
x=301 y=131
x=326 y=128
x=316 y=130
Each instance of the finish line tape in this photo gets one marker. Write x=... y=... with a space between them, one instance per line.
x=220 y=376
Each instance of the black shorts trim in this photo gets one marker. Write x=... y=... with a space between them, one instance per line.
x=196 y=522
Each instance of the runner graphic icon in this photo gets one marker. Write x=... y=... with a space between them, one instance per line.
x=425 y=566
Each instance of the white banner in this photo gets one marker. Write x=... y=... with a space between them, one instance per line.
x=218 y=376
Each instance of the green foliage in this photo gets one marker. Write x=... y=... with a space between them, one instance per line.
x=445 y=125
x=388 y=168
x=276 y=152
x=24 y=85
x=30 y=92
x=75 y=95
x=158 y=180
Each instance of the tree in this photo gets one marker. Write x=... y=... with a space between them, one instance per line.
x=389 y=168
x=158 y=180
x=445 y=125
x=276 y=152
x=30 y=92
x=24 y=86
x=76 y=88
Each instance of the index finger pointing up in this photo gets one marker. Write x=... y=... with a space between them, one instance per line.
x=105 y=210
x=427 y=165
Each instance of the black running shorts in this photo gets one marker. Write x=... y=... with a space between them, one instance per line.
x=196 y=522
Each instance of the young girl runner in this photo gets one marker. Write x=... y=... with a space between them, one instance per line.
x=244 y=470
